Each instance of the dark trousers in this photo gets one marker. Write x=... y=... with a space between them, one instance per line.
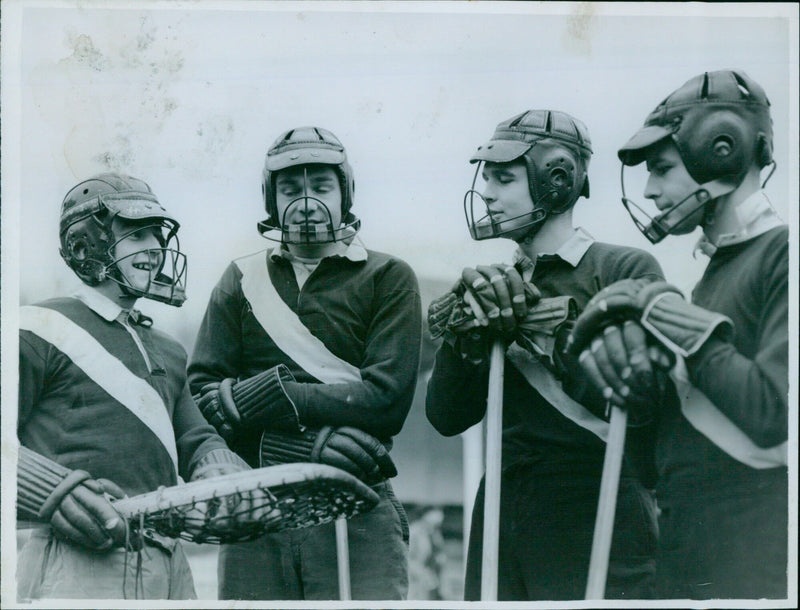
x=546 y=529
x=725 y=542
x=302 y=564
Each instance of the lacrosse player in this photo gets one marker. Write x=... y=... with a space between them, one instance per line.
x=554 y=432
x=722 y=443
x=104 y=408
x=308 y=352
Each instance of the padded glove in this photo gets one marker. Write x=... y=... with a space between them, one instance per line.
x=76 y=505
x=259 y=400
x=347 y=448
x=545 y=329
x=679 y=326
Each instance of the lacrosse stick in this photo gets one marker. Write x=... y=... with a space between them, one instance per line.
x=245 y=505
x=343 y=558
x=607 y=505
x=494 y=439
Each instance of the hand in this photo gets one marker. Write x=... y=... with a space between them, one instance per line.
x=85 y=516
x=211 y=406
x=354 y=451
x=497 y=296
x=347 y=448
x=628 y=368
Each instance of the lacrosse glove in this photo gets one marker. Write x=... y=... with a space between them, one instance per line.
x=349 y=449
x=659 y=307
x=76 y=505
x=259 y=400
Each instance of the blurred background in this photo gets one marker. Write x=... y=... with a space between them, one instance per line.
x=189 y=96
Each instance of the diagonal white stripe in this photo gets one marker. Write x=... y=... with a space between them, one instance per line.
x=712 y=423
x=285 y=328
x=543 y=382
x=133 y=392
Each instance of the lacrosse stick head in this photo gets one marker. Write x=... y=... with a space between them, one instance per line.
x=245 y=505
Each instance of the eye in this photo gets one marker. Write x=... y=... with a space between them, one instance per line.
x=289 y=190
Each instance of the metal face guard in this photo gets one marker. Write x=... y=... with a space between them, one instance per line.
x=655 y=228
x=489 y=226
x=167 y=283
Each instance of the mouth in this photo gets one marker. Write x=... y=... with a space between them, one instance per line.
x=144 y=266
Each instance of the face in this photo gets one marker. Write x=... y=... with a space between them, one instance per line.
x=508 y=196
x=138 y=252
x=670 y=185
x=303 y=193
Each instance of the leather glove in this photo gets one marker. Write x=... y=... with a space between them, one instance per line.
x=659 y=307
x=487 y=302
x=76 y=505
x=259 y=400
x=347 y=448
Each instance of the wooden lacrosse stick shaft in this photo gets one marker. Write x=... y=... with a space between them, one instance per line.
x=343 y=558
x=607 y=504
x=494 y=440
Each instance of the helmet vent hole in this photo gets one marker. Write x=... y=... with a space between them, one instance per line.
x=558 y=177
x=723 y=146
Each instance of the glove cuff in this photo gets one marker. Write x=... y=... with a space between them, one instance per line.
x=37 y=478
x=287 y=448
x=223 y=461
x=439 y=313
x=682 y=327
x=262 y=400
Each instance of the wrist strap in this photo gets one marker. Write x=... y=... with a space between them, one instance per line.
x=72 y=480
x=322 y=438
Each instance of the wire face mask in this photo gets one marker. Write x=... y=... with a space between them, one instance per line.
x=655 y=225
x=491 y=225
x=166 y=266
x=309 y=230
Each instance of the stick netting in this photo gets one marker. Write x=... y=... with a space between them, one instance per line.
x=246 y=505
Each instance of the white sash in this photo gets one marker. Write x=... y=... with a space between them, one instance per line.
x=104 y=369
x=712 y=423
x=543 y=382
x=285 y=328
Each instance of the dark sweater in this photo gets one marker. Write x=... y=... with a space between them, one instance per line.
x=67 y=417
x=746 y=378
x=534 y=430
x=365 y=312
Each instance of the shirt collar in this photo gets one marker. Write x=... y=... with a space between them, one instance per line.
x=755 y=216
x=352 y=251
x=98 y=303
x=571 y=251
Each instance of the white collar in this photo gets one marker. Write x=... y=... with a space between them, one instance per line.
x=98 y=302
x=352 y=251
x=571 y=251
x=754 y=216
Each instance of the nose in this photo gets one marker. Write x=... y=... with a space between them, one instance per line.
x=488 y=194
x=651 y=189
x=306 y=206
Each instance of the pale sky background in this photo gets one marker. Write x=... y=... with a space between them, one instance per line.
x=189 y=95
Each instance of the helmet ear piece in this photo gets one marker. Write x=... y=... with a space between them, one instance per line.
x=763 y=150
x=716 y=146
x=585 y=189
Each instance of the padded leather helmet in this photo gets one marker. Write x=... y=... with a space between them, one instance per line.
x=556 y=149
x=308 y=146
x=87 y=239
x=720 y=123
